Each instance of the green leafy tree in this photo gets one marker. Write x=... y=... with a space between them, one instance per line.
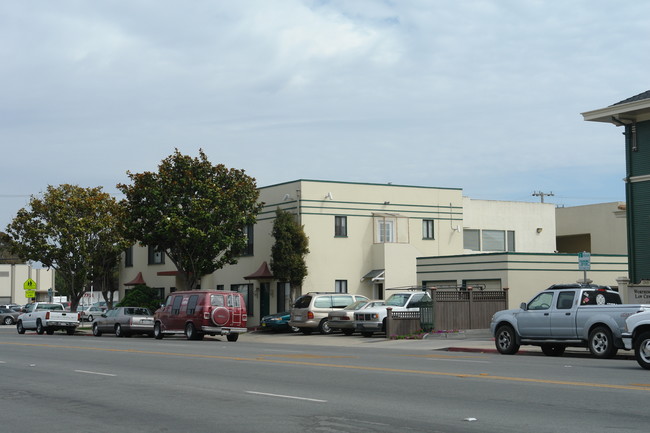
x=193 y=211
x=70 y=229
x=141 y=296
x=6 y=256
x=289 y=250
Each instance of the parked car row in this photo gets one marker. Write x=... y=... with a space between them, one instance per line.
x=193 y=313
x=327 y=312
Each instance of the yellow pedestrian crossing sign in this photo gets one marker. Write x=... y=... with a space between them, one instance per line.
x=29 y=284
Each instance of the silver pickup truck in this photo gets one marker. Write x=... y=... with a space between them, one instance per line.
x=565 y=315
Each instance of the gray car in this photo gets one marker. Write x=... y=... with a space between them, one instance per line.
x=124 y=322
x=8 y=316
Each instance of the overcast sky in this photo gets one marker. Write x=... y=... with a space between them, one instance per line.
x=483 y=95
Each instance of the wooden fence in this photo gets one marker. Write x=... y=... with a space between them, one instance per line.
x=450 y=310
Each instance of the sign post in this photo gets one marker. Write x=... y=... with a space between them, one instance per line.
x=584 y=263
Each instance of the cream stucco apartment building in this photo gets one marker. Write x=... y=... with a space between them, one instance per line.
x=367 y=239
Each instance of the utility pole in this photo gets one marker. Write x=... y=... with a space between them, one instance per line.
x=541 y=194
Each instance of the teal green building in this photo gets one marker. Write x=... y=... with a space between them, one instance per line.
x=633 y=114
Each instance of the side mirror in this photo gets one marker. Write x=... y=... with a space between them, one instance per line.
x=523 y=306
x=103 y=314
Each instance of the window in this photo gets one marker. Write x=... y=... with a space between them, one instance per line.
x=282 y=290
x=511 y=240
x=427 y=229
x=340 y=226
x=191 y=304
x=220 y=287
x=341 y=301
x=323 y=302
x=488 y=240
x=541 y=302
x=128 y=257
x=341 y=286
x=493 y=240
x=471 y=240
x=216 y=301
x=386 y=231
x=565 y=300
x=246 y=290
x=156 y=257
x=176 y=305
x=248 y=232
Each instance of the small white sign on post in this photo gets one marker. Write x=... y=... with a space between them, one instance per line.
x=584 y=261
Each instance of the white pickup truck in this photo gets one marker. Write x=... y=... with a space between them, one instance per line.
x=637 y=337
x=46 y=317
x=565 y=315
x=371 y=320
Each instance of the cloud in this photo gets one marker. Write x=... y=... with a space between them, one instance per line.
x=481 y=95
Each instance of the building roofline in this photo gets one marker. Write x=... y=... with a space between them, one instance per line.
x=622 y=112
x=358 y=183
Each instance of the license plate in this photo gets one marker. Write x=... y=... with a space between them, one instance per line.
x=147 y=322
x=297 y=318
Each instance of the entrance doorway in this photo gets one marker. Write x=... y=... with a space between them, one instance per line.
x=265 y=299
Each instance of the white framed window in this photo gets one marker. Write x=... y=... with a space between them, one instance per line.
x=386 y=231
x=341 y=286
x=427 y=229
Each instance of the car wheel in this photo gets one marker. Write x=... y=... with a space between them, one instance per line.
x=367 y=334
x=96 y=331
x=118 y=331
x=8 y=320
x=553 y=349
x=190 y=331
x=157 y=331
x=306 y=331
x=19 y=327
x=232 y=337
x=642 y=350
x=70 y=331
x=91 y=318
x=348 y=331
x=601 y=343
x=324 y=327
x=39 y=327
x=49 y=331
x=506 y=340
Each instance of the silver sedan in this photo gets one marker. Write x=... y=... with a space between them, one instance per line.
x=124 y=322
x=343 y=320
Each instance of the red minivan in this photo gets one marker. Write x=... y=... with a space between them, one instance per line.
x=196 y=313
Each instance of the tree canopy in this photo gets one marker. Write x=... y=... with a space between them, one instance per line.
x=192 y=210
x=289 y=250
x=76 y=231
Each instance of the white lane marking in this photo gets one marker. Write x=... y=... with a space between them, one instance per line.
x=459 y=360
x=94 y=372
x=286 y=396
x=2 y=362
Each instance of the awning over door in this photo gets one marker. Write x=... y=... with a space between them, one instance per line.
x=137 y=281
x=375 y=275
x=262 y=273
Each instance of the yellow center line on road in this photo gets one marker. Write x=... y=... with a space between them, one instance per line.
x=262 y=358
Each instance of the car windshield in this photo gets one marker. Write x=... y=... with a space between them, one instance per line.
x=356 y=305
x=398 y=300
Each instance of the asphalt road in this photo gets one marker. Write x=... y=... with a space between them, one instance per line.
x=63 y=383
